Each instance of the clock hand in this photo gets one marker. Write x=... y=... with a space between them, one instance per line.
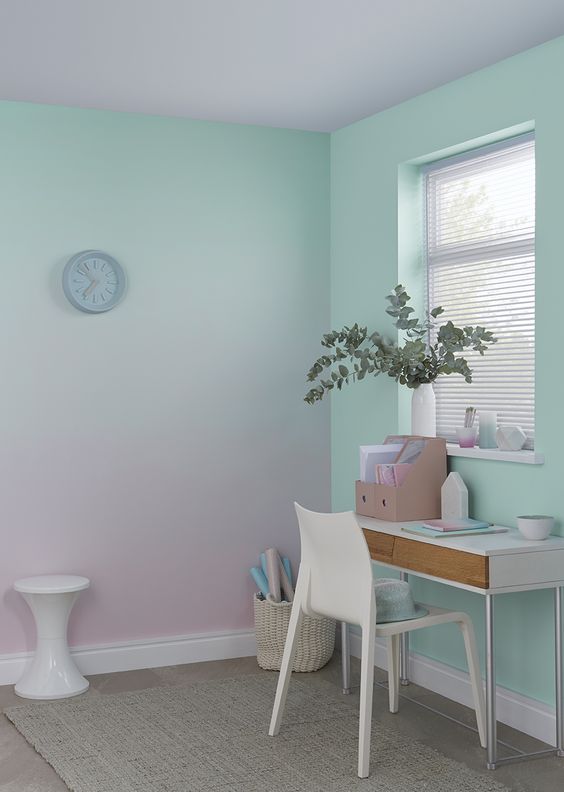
x=87 y=291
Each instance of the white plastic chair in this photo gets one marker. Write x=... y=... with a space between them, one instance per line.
x=393 y=631
x=335 y=579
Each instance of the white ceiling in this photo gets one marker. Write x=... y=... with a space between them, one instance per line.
x=306 y=64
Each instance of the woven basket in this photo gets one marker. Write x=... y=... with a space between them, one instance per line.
x=316 y=639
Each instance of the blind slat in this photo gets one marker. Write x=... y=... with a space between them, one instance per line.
x=480 y=229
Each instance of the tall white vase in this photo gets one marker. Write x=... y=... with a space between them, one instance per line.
x=423 y=411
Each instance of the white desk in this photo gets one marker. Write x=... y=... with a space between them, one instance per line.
x=488 y=565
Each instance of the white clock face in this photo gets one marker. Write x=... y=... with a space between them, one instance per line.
x=93 y=281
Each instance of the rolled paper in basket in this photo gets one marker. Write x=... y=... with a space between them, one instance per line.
x=286 y=585
x=263 y=564
x=273 y=573
x=288 y=568
x=259 y=578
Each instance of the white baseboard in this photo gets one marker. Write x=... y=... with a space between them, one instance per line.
x=520 y=712
x=151 y=653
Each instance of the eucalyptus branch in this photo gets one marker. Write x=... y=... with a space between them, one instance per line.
x=414 y=363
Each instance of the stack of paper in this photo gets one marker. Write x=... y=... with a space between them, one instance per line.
x=392 y=475
x=372 y=455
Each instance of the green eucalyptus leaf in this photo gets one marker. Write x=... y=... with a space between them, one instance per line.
x=416 y=362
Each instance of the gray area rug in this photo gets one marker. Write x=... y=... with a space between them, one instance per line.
x=213 y=736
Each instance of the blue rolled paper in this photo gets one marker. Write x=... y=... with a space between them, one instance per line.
x=260 y=579
x=288 y=568
x=263 y=564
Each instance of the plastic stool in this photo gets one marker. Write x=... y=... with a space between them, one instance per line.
x=52 y=673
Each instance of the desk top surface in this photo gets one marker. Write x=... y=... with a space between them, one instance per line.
x=488 y=545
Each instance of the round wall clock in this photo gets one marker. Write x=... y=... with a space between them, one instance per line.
x=93 y=281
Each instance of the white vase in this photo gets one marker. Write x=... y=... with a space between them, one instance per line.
x=423 y=411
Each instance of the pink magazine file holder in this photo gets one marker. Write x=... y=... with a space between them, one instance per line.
x=419 y=497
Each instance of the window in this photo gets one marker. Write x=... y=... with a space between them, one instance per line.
x=480 y=241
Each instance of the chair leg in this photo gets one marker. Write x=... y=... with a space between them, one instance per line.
x=345 y=660
x=475 y=677
x=290 y=648
x=393 y=671
x=366 y=690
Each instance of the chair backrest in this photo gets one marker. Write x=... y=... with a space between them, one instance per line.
x=337 y=559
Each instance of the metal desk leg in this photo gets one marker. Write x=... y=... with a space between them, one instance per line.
x=558 y=660
x=491 y=722
x=345 y=658
x=404 y=648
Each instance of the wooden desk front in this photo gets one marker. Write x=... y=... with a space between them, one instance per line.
x=490 y=564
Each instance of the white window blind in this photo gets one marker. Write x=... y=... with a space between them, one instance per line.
x=480 y=239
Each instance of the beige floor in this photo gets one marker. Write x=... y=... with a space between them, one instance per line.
x=22 y=770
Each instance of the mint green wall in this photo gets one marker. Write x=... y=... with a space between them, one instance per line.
x=368 y=159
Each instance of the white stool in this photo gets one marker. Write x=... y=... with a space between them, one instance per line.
x=52 y=673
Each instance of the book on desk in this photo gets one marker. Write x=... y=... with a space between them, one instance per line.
x=423 y=530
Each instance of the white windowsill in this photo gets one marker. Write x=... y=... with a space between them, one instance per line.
x=525 y=457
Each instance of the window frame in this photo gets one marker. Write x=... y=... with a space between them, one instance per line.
x=470 y=250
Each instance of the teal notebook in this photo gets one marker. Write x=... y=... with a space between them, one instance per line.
x=420 y=530
x=455 y=524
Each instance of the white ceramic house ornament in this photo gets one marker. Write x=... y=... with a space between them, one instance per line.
x=454 y=497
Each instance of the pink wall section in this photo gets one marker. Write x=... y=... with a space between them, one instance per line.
x=158 y=448
x=162 y=562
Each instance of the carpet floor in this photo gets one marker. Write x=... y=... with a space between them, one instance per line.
x=212 y=737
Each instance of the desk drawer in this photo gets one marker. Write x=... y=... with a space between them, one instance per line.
x=430 y=559
x=527 y=569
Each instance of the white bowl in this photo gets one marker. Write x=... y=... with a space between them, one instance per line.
x=535 y=526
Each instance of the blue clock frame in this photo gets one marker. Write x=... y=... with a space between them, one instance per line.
x=93 y=281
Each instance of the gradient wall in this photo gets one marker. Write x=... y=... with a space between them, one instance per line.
x=157 y=448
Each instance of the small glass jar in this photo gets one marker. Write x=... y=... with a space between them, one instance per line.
x=467 y=436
